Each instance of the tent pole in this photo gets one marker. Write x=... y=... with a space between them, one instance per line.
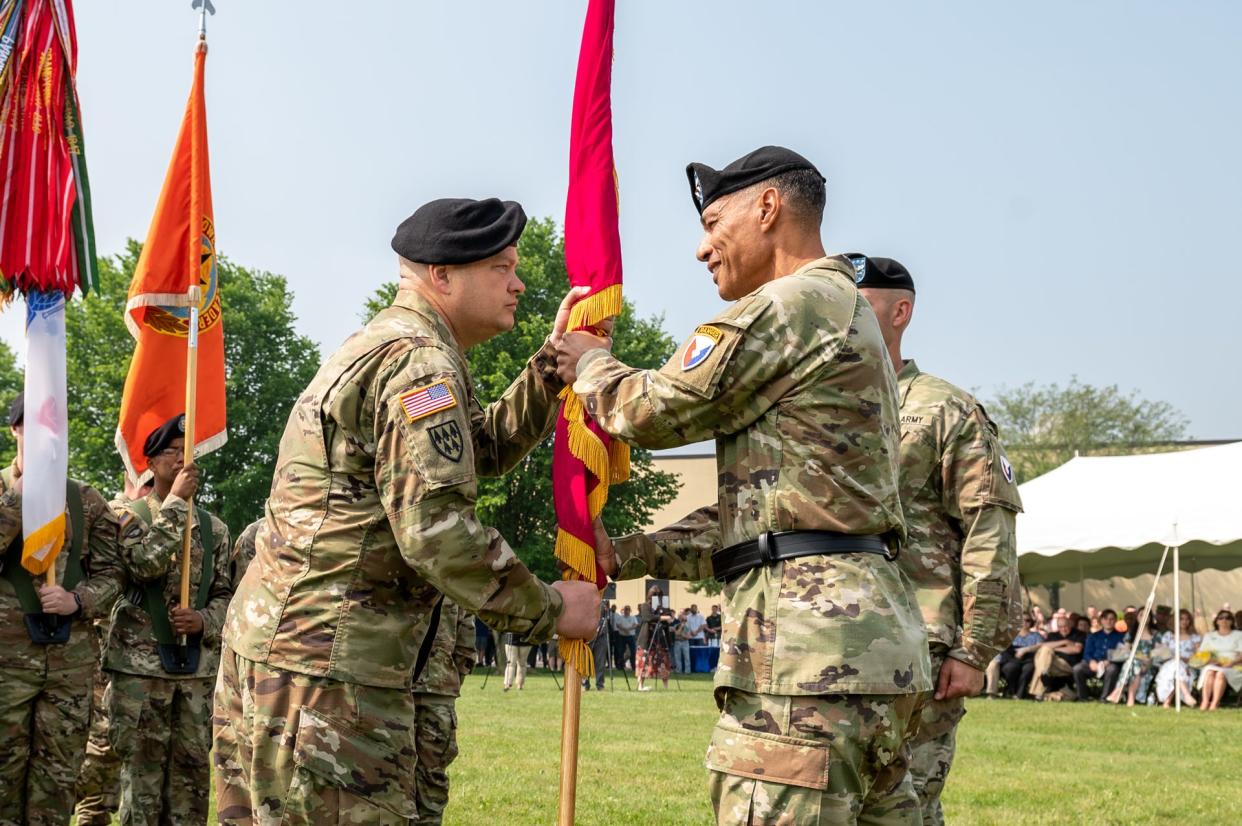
x=1177 y=628
x=1142 y=623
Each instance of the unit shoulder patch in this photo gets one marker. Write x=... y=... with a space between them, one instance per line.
x=447 y=440
x=428 y=399
x=700 y=346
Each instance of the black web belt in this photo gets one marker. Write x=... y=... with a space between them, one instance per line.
x=735 y=560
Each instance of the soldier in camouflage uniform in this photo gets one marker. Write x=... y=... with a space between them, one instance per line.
x=961 y=505
x=160 y=710
x=823 y=662
x=100 y=775
x=45 y=689
x=371 y=513
x=435 y=717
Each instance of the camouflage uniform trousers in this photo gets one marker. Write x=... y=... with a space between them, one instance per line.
x=780 y=760
x=100 y=775
x=161 y=733
x=295 y=749
x=934 y=746
x=435 y=739
x=44 y=716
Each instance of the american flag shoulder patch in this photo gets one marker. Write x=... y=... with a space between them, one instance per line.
x=431 y=398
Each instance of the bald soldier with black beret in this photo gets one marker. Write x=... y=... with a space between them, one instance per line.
x=961 y=506
x=370 y=519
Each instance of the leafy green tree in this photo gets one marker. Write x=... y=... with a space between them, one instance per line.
x=11 y=383
x=1045 y=426
x=267 y=365
x=519 y=505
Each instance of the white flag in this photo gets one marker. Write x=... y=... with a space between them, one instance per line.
x=45 y=464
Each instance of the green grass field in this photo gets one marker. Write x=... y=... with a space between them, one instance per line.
x=641 y=760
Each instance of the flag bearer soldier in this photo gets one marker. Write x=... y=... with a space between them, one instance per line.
x=160 y=693
x=436 y=690
x=47 y=655
x=371 y=514
x=823 y=664
x=100 y=775
x=961 y=506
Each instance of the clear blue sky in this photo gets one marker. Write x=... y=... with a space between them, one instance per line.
x=1062 y=178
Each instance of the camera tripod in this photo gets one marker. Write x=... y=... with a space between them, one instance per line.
x=661 y=633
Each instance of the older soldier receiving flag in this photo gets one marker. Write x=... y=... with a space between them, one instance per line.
x=961 y=506
x=371 y=514
x=47 y=655
x=823 y=662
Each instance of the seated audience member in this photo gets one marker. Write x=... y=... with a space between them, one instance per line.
x=1224 y=645
x=1176 y=673
x=1134 y=672
x=1095 y=651
x=1009 y=663
x=1054 y=659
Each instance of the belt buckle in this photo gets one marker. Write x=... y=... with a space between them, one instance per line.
x=766 y=556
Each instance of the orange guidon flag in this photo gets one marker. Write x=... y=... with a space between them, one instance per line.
x=180 y=251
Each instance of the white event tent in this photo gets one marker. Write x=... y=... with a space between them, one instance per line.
x=1104 y=516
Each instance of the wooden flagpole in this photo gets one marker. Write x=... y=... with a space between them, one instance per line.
x=570 y=717
x=191 y=394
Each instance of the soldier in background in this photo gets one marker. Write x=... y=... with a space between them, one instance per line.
x=435 y=692
x=100 y=775
x=47 y=651
x=961 y=506
x=159 y=707
x=793 y=382
x=244 y=549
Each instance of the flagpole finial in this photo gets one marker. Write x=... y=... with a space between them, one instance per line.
x=204 y=7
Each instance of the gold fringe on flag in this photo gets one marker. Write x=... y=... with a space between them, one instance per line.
x=609 y=465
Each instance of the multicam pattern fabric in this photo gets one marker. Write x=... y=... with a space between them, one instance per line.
x=44 y=716
x=933 y=748
x=452 y=653
x=161 y=734
x=103 y=581
x=292 y=748
x=244 y=549
x=100 y=774
x=435 y=738
x=802 y=403
x=810 y=761
x=372 y=511
x=152 y=553
x=961 y=503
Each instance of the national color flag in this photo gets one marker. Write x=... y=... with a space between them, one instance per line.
x=180 y=251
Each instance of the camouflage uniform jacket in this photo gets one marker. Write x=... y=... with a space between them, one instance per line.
x=452 y=653
x=372 y=506
x=103 y=580
x=153 y=553
x=796 y=388
x=244 y=549
x=961 y=507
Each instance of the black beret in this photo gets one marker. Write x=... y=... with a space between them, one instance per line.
x=17 y=410
x=880 y=273
x=707 y=184
x=459 y=230
x=163 y=435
